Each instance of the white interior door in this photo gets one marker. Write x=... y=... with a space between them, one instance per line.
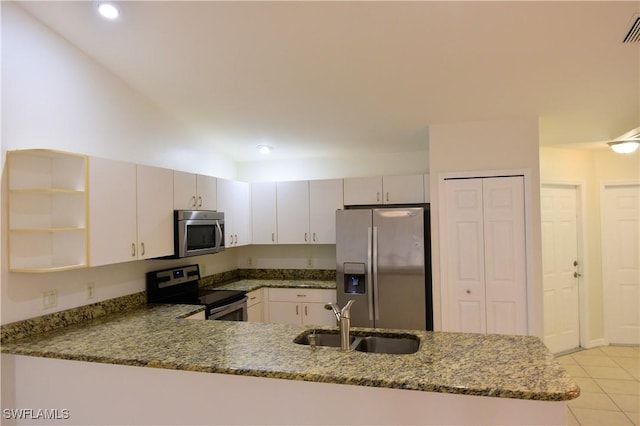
x=465 y=255
x=505 y=255
x=621 y=263
x=486 y=255
x=559 y=263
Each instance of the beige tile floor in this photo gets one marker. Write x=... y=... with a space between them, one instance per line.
x=609 y=380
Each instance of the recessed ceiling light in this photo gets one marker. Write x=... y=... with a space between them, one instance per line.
x=108 y=10
x=264 y=149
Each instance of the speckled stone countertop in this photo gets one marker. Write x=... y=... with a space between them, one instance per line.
x=250 y=285
x=490 y=365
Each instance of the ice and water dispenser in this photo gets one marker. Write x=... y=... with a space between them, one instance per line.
x=354 y=278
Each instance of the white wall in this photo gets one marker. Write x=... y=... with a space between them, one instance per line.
x=484 y=146
x=57 y=97
x=365 y=164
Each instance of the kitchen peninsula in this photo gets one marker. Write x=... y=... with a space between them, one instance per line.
x=217 y=372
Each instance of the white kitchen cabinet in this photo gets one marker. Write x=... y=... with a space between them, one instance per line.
x=306 y=211
x=408 y=189
x=234 y=202
x=483 y=243
x=293 y=212
x=131 y=211
x=363 y=191
x=47 y=219
x=325 y=197
x=255 y=306
x=301 y=306
x=264 y=222
x=194 y=191
x=427 y=189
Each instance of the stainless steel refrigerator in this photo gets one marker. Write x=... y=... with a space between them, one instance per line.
x=384 y=264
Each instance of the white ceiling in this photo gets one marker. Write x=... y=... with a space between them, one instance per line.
x=318 y=79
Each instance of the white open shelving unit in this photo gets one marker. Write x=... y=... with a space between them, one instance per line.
x=48 y=210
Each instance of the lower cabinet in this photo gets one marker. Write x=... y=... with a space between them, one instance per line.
x=255 y=307
x=301 y=306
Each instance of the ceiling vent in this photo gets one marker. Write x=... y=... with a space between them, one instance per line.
x=633 y=35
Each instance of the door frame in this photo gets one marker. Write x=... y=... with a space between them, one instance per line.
x=584 y=316
x=604 y=266
x=534 y=295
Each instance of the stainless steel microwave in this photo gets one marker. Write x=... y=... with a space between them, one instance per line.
x=198 y=232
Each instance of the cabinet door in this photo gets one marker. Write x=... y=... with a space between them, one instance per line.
x=155 y=212
x=293 y=212
x=242 y=213
x=285 y=313
x=206 y=192
x=325 y=197
x=263 y=213
x=112 y=211
x=363 y=191
x=184 y=190
x=225 y=204
x=403 y=189
x=316 y=314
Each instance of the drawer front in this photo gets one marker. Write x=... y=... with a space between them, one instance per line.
x=254 y=297
x=301 y=295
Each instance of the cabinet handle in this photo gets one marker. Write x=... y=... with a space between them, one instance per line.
x=576 y=275
x=301 y=295
x=193 y=201
x=297 y=313
x=142 y=250
x=314 y=237
x=468 y=291
x=199 y=202
x=236 y=239
x=273 y=237
x=133 y=249
x=306 y=314
x=305 y=237
x=378 y=196
x=252 y=298
x=387 y=195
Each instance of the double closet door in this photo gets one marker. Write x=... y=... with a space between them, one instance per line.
x=485 y=255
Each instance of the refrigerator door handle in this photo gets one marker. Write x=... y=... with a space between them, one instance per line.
x=369 y=276
x=375 y=273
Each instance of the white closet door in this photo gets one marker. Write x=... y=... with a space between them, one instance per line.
x=621 y=263
x=465 y=255
x=504 y=252
x=485 y=255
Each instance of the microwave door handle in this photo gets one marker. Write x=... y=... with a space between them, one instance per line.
x=219 y=236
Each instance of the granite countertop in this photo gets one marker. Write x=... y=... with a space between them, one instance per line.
x=490 y=365
x=255 y=284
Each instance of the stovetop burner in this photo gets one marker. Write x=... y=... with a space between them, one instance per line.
x=180 y=285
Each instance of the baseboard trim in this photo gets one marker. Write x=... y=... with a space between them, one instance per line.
x=595 y=343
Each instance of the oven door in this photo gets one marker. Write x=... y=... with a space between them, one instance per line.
x=236 y=311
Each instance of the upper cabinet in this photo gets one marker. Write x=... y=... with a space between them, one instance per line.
x=325 y=197
x=293 y=212
x=264 y=222
x=234 y=202
x=47 y=210
x=131 y=211
x=194 y=192
x=407 y=189
x=307 y=211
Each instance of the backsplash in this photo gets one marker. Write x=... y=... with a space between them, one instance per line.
x=21 y=329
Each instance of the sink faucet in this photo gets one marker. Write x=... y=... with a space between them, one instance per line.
x=343 y=318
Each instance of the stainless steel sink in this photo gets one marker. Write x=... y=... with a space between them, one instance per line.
x=322 y=338
x=388 y=345
x=371 y=343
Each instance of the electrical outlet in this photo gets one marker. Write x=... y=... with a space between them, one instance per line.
x=249 y=261
x=91 y=290
x=309 y=262
x=49 y=299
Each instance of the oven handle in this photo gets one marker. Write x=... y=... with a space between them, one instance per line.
x=221 y=311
